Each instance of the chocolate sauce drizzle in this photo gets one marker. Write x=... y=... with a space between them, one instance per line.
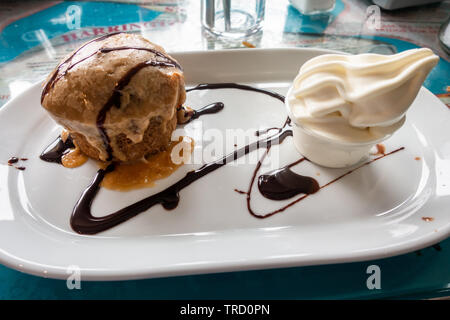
x=82 y=220
x=362 y=165
x=156 y=52
x=55 y=151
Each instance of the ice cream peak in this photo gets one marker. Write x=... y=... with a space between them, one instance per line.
x=357 y=98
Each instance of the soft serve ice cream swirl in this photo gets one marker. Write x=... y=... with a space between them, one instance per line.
x=357 y=98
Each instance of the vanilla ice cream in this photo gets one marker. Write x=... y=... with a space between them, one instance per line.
x=342 y=105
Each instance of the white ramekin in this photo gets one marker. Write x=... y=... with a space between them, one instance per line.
x=325 y=151
x=329 y=153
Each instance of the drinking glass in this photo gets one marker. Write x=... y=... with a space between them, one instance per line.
x=235 y=19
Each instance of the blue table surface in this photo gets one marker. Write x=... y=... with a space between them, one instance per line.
x=421 y=274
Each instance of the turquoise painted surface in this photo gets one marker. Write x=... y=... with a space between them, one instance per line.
x=22 y=35
x=406 y=276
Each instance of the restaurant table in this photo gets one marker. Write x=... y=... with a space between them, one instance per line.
x=35 y=35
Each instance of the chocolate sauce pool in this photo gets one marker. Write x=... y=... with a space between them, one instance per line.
x=283 y=183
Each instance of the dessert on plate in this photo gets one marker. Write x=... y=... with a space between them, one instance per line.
x=117 y=96
x=342 y=105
